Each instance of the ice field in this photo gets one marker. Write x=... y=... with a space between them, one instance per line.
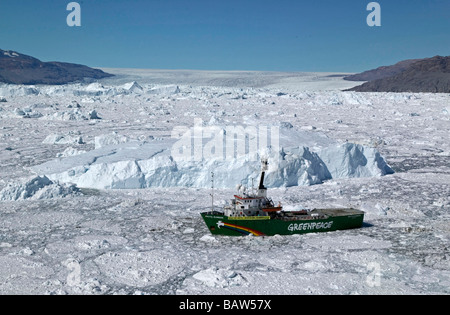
x=93 y=199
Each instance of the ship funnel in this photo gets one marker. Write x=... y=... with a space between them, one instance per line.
x=264 y=167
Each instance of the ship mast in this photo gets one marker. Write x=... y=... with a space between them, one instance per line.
x=212 y=192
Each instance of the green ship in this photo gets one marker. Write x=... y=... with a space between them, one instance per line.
x=253 y=213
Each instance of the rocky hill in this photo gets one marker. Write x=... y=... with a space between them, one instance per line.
x=16 y=68
x=431 y=75
x=382 y=72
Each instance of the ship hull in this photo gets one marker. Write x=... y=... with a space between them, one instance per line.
x=341 y=219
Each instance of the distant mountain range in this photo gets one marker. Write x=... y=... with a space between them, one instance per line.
x=16 y=68
x=430 y=75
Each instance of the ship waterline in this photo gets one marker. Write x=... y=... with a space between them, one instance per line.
x=284 y=223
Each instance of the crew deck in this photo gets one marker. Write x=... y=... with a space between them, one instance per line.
x=316 y=214
x=338 y=212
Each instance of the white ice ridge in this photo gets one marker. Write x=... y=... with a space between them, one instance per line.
x=93 y=90
x=136 y=165
x=37 y=188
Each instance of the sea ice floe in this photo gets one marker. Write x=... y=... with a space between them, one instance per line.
x=110 y=139
x=63 y=139
x=222 y=278
x=140 y=269
x=70 y=152
x=73 y=115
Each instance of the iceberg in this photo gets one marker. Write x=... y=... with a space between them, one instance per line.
x=137 y=165
x=37 y=188
x=351 y=160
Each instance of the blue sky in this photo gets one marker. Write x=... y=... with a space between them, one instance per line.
x=281 y=35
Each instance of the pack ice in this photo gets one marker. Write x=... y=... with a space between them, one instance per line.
x=303 y=158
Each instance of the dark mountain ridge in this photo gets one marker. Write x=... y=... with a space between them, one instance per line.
x=430 y=75
x=382 y=72
x=16 y=68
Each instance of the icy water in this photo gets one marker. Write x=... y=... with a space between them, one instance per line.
x=60 y=240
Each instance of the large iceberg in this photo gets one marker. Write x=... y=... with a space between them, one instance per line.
x=135 y=165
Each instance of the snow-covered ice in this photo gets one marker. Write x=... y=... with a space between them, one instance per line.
x=39 y=187
x=118 y=163
x=103 y=206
